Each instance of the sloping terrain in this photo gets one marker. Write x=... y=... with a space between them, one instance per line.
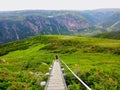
x=24 y=63
x=31 y=25
x=110 y=35
x=112 y=20
x=16 y=25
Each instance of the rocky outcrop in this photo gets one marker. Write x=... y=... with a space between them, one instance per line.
x=22 y=24
x=11 y=30
x=72 y=22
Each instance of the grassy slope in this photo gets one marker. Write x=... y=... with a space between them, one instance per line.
x=110 y=35
x=96 y=61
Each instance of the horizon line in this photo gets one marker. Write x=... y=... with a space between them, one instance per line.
x=55 y=9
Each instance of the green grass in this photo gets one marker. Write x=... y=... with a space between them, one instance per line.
x=110 y=35
x=96 y=61
x=98 y=70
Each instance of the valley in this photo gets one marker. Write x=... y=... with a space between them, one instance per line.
x=18 y=25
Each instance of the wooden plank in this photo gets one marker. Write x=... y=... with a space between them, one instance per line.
x=56 y=80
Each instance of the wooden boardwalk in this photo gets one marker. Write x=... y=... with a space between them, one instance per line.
x=56 y=80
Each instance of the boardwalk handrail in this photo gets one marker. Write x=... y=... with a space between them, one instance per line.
x=63 y=79
x=77 y=76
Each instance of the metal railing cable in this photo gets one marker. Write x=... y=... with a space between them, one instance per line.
x=76 y=76
x=63 y=79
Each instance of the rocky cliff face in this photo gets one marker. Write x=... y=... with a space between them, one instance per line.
x=72 y=22
x=32 y=25
x=22 y=24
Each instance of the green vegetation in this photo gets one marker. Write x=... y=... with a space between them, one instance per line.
x=110 y=35
x=18 y=25
x=96 y=61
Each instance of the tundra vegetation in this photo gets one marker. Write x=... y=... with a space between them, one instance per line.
x=24 y=63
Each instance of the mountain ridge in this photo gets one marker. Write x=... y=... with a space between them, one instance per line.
x=16 y=25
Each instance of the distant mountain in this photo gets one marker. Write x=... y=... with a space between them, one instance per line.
x=110 y=35
x=35 y=24
x=112 y=20
x=15 y=25
x=99 y=16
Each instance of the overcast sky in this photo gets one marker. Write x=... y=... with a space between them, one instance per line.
x=6 y=5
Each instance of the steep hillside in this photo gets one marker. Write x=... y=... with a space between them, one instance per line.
x=113 y=21
x=16 y=25
x=35 y=24
x=100 y=15
x=73 y=21
x=23 y=64
x=116 y=26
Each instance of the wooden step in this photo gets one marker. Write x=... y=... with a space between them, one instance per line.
x=56 y=80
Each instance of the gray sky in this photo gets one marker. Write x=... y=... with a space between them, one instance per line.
x=6 y=5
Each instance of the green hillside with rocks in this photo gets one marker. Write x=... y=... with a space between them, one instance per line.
x=24 y=63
